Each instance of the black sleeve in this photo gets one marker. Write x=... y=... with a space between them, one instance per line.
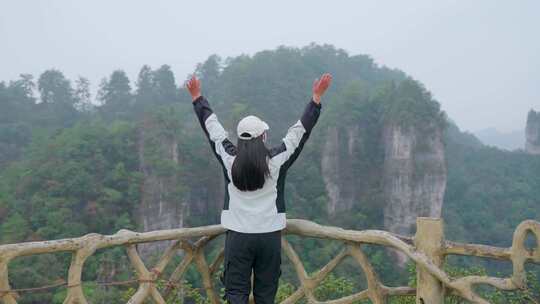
x=311 y=115
x=203 y=111
x=297 y=135
x=309 y=119
x=221 y=146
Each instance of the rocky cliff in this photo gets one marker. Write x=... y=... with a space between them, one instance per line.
x=339 y=151
x=414 y=175
x=386 y=160
x=161 y=205
x=350 y=166
x=532 y=133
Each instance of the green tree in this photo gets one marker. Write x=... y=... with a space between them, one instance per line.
x=57 y=107
x=145 y=88
x=83 y=95
x=115 y=95
x=164 y=86
x=54 y=87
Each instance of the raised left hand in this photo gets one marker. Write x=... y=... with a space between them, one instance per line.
x=194 y=87
x=320 y=86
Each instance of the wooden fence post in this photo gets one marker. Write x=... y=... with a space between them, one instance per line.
x=429 y=240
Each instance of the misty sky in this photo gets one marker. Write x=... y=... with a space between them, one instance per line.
x=480 y=59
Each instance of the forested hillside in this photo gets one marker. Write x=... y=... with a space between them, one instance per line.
x=382 y=153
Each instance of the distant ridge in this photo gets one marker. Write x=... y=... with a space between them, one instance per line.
x=512 y=140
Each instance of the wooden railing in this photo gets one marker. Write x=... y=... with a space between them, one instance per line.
x=427 y=249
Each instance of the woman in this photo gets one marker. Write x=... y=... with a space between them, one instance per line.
x=254 y=207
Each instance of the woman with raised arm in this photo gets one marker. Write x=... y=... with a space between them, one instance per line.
x=254 y=207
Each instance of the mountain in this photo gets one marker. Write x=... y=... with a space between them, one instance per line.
x=378 y=148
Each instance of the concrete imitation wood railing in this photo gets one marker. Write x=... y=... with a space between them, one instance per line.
x=427 y=249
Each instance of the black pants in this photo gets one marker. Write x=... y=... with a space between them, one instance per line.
x=244 y=252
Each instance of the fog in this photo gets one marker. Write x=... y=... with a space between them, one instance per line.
x=480 y=59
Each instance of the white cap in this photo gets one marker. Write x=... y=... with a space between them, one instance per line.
x=251 y=125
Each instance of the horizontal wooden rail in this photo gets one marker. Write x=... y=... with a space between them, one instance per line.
x=427 y=257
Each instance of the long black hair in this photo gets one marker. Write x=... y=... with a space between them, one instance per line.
x=250 y=167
